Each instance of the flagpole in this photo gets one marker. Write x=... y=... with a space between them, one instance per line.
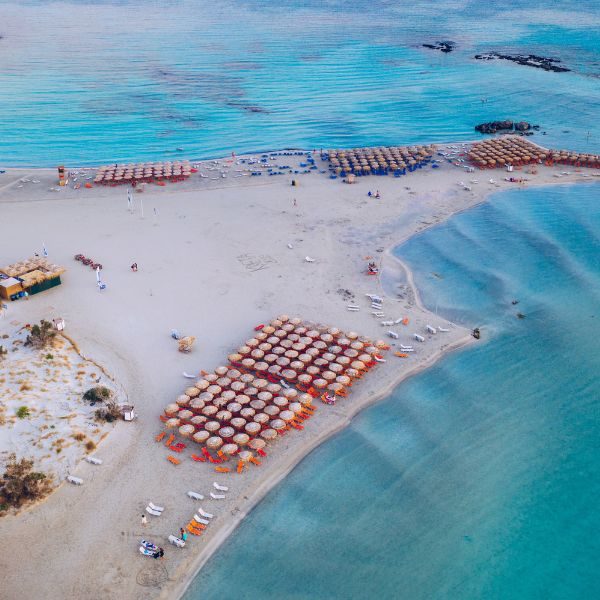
x=142 y=206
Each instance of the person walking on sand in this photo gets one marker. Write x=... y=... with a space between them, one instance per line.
x=134 y=267
x=295 y=202
x=144 y=520
x=377 y=194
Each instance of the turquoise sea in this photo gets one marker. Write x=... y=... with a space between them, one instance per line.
x=480 y=477
x=92 y=81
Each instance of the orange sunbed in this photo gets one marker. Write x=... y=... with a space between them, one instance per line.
x=173 y=460
x=222 y=469
x=160 y=436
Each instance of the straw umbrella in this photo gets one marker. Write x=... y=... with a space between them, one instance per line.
x=172 y=423
x=261 y=418
x=171 y=409
x=268 y=434
x=286 y=415
x=272 y=410
x=305 y=399
x=214 y=443
x=210 y=411
x=200 y=437
x=227 y=433
x=212 y=426
x=224 y=416
x=186 y=430
x=253 y=428
x=198 y=421
x=241 y=439
x=185 y=415
x=257 y=404
x=257 y=444
x=247 y=412
x=239 y=422
x=289 y=393
x=229 y=449
x=182 y=400
x=277 y=424
x=281 y=402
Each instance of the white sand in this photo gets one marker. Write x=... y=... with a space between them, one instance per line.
x=213 y=264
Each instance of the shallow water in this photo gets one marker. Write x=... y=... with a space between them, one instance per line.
x=94 y=81
x=478 y=478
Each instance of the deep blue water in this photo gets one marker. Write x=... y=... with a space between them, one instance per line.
x=478 y=478
x=89 y=81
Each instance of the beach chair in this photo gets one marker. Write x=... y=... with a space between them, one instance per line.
x=93 y=460
x=194 y=531
x=262 y=452
x=160 y=436
x=255 y=461
x=197 y=526
x=205 y=514
x=221 y=488
x=170 y=440
x=74 y=480
x=222 y=469
x=154 y=513
x=240 y=466
x=154 y=507
x=195 y=496
x=200 y=520
x=176 y=449
x=217 y=496
x=163 y=419
x=173 y=539
x=198 y=458
x=173 y=460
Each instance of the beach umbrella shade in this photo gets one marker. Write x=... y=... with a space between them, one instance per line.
x=356 y=345
x=220 y=371
x=286 y=415
x=229 y=449
x=328 y=375
x=289 y=374
x=304 y=378
x=171 y=423
x=206 y=397
x=358 y=365
x=301 y=330
x=224 y=382
x=343 y=341
x=321 y=362
x=257 y=444
x=305 y=399
x=268 y=434
x=182 y=400
x=287 y=344
x=381 y=344
x=247 y=412
x=279 y=350
x=265 y=396
x=283 y=318
x=202 y=384
x=211 y=377
x=214 y=389
x=245 y=456
x=287 y=327
x=319 y=345
x=242 y=399
x=265 y=346
x=305 y=358
x=281 y=402
x=261 y=418
x=319 y=383
x=343 y=379
x=335 y=349
x=214 y=443
x=185 y=415
x=296 y=407
x=270 y=358
x=335 y=367
x=212 y=426
x=281 y=334
x=209 y=411
x=260 y=383
x=258 y=404
x=277 y=424
x=257 y=353
x=248 y=363
x=335 y=387
x=351 y=353
x=247 y=378
x=251 y=391
x=252 y=428
x=244 y=350
x=269 y=329
x=276 y=323
x=289 y=393
x=200 y=437
x=366 y=358
x=261 y=366
x=272 y=410
x=327 y=338
x=238 y=422
x=226 y=433
x=328 y=356
x=283 y=361
x=171 y=409
x=241 y=439
x=312 y=370
x=186 y=431
x=234 y=407
x=198 y=421
x=223 y=416
x=298 y=346
x=293 y=337
x=313 y=352
x=228 y=395
x=273 y=340
x=342 y=360
x=274 y=388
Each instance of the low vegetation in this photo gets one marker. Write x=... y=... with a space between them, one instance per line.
x=109 y=413
x=98 y=394
x=23 y=412
x=41 y=335
x=20 y=484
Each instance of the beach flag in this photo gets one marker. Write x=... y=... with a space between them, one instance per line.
x=129 y=199
x=98 y=274
x=142 y=206
x=45 y=252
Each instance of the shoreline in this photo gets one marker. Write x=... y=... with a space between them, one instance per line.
x=304 y=453
x=209 y=228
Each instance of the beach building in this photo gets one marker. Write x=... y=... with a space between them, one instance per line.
x=28 y=277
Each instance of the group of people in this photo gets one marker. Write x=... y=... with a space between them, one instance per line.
x=377 y=194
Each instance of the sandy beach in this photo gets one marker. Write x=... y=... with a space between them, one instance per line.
x=214 y=261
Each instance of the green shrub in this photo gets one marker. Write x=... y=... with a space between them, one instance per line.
x=23 y=412
x=98 y=393
x=40 y=335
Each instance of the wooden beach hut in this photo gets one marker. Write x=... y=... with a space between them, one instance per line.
x=29 y=277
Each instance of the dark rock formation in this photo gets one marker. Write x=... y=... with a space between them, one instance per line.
x=506 y=126
x=528 y=60
x=443 y=46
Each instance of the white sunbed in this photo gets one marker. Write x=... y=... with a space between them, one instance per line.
x=154 y=513
x=93 y=460
x=199 y=520
x=205 y=514
x=221 y=488
x=443 y=329
x=157 y=508
x=195 y=495
x=217 y=496
x=176 y=541
x=74 y=480
x=309 y=259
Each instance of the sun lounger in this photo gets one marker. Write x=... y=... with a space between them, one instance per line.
x=173 y=460
x=176 y=541
x=221 y=488
x=160 y=436
x=196 y=526
x=205 y=514
x=74 y=480
x=309 y=259
x=93 y=460
x=200 y=520
x=193 y=531
x=195 y=495
x=154 y=507
x=217 y=496
x=154 y=513
x=222 y=469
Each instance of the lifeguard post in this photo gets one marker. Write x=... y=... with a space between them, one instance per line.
x=62 y=176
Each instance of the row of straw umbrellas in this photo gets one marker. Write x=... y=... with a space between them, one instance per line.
x=373 y=160
x=498 y=152
x=143 y=172
x=567 y=157
x=241 y=407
